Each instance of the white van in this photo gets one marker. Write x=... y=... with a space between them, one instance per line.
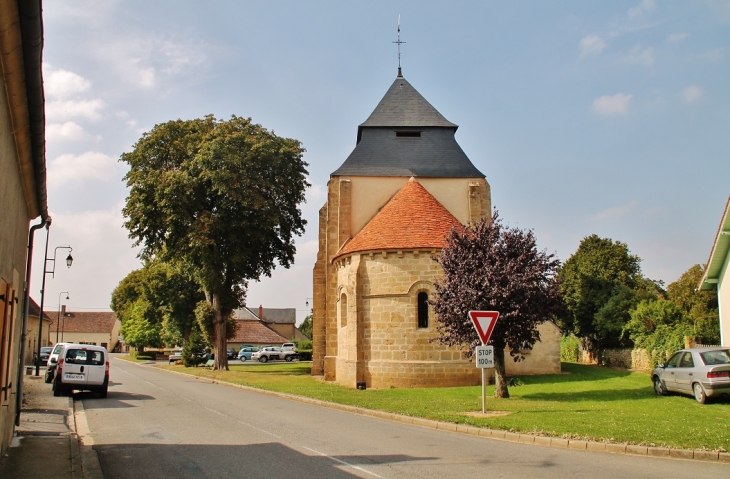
x=82 y=367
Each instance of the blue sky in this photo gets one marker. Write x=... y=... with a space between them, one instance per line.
x=586 y=117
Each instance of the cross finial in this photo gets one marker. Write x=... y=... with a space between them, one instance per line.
x=399 y=42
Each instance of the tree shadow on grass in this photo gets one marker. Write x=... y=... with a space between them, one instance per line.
x=600 y=395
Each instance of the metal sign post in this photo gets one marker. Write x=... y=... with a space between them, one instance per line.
x=484 y=322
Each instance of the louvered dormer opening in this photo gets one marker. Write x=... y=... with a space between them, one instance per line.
x=407 y=134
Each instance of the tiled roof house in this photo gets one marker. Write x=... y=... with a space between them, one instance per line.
x=390 y=206
x=89 y=327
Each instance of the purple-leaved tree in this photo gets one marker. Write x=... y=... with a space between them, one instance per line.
x=490 y=267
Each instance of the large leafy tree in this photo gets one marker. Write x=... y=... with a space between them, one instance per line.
x=600 y=283
x=160 y=297
x=700 y=307
x=222 y=197
x=488 y=266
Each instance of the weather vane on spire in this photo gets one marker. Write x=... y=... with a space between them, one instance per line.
x=399 y=44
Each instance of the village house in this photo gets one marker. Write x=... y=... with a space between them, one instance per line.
x=31 y=346
x=23 y=194
x=100 y=328
x=389 y=207
x=716 y=274
x=271 y=326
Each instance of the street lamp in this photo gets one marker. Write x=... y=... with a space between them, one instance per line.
x=69 y=261
x=58 y=318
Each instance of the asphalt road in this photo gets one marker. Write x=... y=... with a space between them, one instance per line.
x=156 y=424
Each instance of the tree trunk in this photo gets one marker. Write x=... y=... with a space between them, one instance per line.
x=220 y=343
x=140 y=349
x=500 y=377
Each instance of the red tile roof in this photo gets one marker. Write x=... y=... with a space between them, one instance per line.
x=87 y=322
x=254 y=331
x=412 y=218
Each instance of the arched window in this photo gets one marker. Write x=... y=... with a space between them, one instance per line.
x=422 y=309
x=343 y=310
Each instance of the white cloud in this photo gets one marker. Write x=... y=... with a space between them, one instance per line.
x=677 y=37
x=615 y=212
x=62 y=84
x=97 y=237
x=617 y=104
x=645 y=6
x=64 y=110
x=641 y=56
x=692 y=93
x=591 y=45
x=65 y=131
x=148 y=60
x=91 y=165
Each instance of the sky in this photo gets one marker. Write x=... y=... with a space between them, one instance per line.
x=607 y=118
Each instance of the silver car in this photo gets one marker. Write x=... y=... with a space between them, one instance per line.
x=699 y=372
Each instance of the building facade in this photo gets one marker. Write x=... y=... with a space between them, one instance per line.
x=389 y=208
x=22 y=183
x=716 y=274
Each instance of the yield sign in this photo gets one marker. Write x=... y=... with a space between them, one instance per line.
x=484 y=322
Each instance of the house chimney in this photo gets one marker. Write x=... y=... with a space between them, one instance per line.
x=261 y=312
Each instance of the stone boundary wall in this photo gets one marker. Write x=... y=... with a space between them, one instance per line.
x=627 y=358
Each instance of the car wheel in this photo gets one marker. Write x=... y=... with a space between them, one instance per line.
x=56 y=388
x=243 y=359
x=263 y=359
x=104 y=390
x=48 y=377
x=659 y=388
x=289 y=359
x=699 y=391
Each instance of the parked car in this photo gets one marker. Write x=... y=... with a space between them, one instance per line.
x=246 y=351
x=52 y=360
x=231 y=353
x=289 y=347
x=176 y=355
x=82 y=367
x=45 y=354
x=272 y=352
x=700 y=372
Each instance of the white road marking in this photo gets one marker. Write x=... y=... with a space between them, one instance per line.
x=343 y=462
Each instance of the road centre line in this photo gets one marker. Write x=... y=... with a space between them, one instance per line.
x=342 y=462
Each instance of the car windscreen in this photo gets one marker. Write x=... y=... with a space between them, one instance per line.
x=57 y=349
x=46 y=350
x=714 y=358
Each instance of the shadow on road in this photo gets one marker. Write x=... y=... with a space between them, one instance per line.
x=114 y=400
x=254 y=460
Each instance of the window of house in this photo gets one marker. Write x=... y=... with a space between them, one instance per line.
x=422 y=309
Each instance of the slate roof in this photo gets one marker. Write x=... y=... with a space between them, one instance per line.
x=379 y=152
x=402 y=105
x=254 y=331
x=411 y=219
x=87 y=322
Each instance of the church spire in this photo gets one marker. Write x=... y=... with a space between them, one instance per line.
x=399 y=42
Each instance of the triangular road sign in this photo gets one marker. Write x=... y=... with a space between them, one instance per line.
x=484 y=322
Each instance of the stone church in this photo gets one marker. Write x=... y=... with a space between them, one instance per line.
x=389 y=208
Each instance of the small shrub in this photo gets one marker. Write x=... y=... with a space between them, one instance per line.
x=305 y=355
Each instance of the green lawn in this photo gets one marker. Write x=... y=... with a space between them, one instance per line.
x=586 y=402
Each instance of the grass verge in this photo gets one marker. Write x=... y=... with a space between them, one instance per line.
x=585 y=402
